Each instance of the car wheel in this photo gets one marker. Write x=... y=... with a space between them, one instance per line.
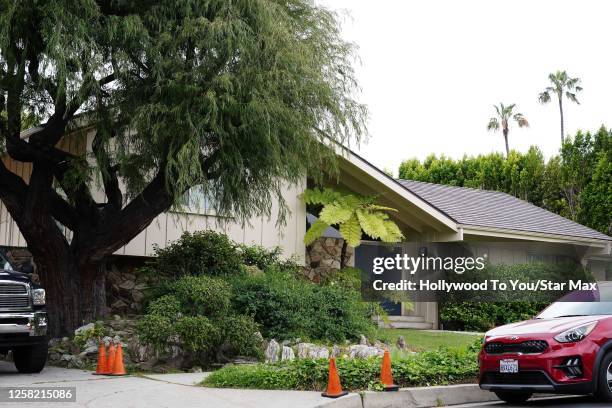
x=604 y=379
x=30 y=359
x=513 y=397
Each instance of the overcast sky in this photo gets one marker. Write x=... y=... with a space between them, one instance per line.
x=432 y=69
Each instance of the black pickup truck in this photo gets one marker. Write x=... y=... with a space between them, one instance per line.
x=23 y=319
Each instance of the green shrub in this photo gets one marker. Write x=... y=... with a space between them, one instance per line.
x=96 y=332
x=167 y=305
x=261 y=257
x=481 y=316
x=240 y=335
x=196 y=310
x=202 y=295
x=288 y=307
x=205 y=296
x=198 y=333
x=155 y=330
x=348 y=277
x=491 y=311
x=429 y=368
x=198 y=253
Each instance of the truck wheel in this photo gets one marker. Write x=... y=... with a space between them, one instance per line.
x=30 y=359
x=604 y=379
x=513 y=397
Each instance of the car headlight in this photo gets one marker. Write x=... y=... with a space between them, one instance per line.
x=575 y=333
x=38 y=297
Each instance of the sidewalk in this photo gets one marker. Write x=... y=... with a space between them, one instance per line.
x=158 y=390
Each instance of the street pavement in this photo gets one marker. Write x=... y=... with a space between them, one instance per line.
x=551 y=402
x=159 y=390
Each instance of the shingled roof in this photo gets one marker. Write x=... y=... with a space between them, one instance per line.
x=494 y=209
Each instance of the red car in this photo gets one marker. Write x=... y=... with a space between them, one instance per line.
x=566 y=349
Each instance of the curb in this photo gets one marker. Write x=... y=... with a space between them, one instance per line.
x=417 y=397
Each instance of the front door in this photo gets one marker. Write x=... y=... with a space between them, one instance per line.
x=364 y=257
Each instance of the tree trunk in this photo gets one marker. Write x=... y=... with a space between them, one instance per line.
x=75 y=292
x=506 y=131
x=343 y=254
x=562 y=128
x=93 y=285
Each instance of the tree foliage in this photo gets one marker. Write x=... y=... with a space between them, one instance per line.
x=575 y=184
x=237 y=97
x=503 y=115
x=352 y=214
x=561 y=85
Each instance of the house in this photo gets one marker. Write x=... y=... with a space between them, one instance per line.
x=506 y=229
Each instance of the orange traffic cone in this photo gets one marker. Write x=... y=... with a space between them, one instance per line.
x=102 y=363
x=110 y=360
x=386 y=378
x=119 y=368
x=334 y=389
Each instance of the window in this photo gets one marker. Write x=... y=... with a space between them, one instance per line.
x=198 y=200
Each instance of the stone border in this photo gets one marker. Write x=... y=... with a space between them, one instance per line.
x=417 y=397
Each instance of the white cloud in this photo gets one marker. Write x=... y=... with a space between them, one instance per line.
x=432 y=69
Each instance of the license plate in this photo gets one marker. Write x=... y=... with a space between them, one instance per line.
x=508 y=366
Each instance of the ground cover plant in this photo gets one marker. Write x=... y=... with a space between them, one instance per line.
x=439 y=367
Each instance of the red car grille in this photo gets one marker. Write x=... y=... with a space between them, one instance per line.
x=525 y=347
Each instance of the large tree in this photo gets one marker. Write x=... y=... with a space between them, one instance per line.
x=561 y=84
x=234 y=96
x=503 y=115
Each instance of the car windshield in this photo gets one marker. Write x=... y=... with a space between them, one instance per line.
x=598 y=302
x=565 y=309
x=4 y=264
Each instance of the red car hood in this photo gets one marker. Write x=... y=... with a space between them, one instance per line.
x=543 y=326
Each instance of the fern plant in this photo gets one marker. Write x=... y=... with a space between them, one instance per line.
x=353 y=215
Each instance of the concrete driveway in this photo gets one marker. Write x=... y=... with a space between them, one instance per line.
x=159 y=390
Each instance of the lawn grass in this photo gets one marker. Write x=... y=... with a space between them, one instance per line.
x=420 y=340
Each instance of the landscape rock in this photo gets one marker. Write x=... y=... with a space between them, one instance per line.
x=127 y=285
x=319 y=352
x=72 y=361
x=138 y=296
x=401 y=343
x=363 y=351
x=363 y=340
x=88 y=326
x=303 y=349
x=244 y=360
x=90 y=351
x=271 y=354
x=336 y=351
x=287 y=354
x=309 y=350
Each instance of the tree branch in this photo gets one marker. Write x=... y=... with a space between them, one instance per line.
x=110 y=180
x=13 y=191
x=130 y=221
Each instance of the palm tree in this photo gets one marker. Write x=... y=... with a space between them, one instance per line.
x=561 y=84
x=504 y=115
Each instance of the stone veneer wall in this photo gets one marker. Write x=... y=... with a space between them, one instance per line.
x=125 y=286
x=323 y=258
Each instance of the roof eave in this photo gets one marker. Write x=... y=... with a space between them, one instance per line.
x=395 y=186
x=534 y=236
